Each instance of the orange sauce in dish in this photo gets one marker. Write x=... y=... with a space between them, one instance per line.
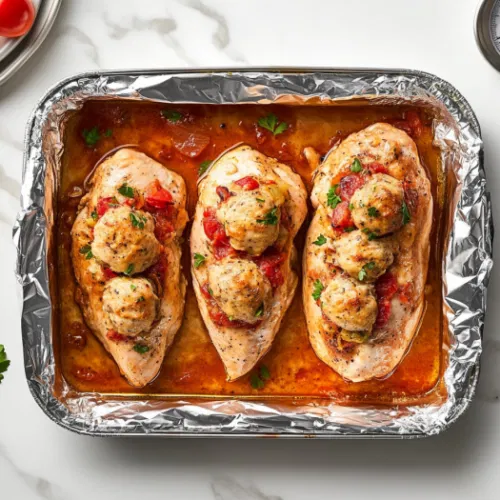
x=192 y=366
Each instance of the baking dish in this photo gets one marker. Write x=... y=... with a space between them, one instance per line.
x=455 y=133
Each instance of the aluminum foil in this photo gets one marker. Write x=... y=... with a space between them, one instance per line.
x=467 y=265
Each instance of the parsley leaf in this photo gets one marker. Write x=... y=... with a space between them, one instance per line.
x=4 y=362
x=321 y=240
x=87 y=251
x=373 y=212
x=260 y=200
x=356 y=166
x=204 y=166
x=351 y=206
x=141 y=348
x=130 y=269
x=210 y=291
x=256 y=382
x=171 y=116
x=199 y=259
x=94 y=215
x=406 y=214
x=270 y=122
x=91 y=136
x=318 y=288
x=133 y=287
x=349 y=229
x=140 y=299
x=138 y=221
x=126 y=191
x=260 y=311
x=270 y=219
x=108 y=133
x=333 y=199
x=264 y=372
x=370 y=234
x=362 y=273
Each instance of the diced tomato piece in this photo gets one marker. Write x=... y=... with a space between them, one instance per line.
x=349 y=185
x=406 y=293
x=211 y=226
x=223 y=193
x=108 y=273
x=222 y=249
x=206 y=291
x=247 y=183
x=158 y=197
x=341 y=216
x=270 y=264
x=104 y=204
x=115 y=336
x=415 y=123
x=164 y=227
x=220 y=318
x=190 y=144
x=384 y=312
x=376 y=168
x=411 y=124
x=386 y=286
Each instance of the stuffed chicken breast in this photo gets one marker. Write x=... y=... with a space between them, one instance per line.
x=126 y=258
x=367 y=253
x=249 y=210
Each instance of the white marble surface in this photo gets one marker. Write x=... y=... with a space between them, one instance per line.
x=39 y=460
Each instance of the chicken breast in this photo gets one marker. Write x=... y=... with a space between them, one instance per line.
x=367 y=251
x=249 y=211
x=126 y=257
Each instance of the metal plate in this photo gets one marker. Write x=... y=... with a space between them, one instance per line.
x=16 y=51
x=467 y=263
x=487 y=31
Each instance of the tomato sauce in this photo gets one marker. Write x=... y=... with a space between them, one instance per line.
x=192 y=136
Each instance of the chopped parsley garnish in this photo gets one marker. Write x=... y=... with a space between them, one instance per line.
x=138 y=220
x=130 y=269
x=321 y=240
x=332 y=198
x=204 y=166
x=406 y=213
x=210 y=291
x=349 y=229
x=260 y=311
x=4 y=362
x=199 y=259
x=91 y=136
x=260 y=200
x=356 y=166
x=171 y=116
x=270 y=122
x=362 y=273
x=373 y=212
x=87 y=251
x=133 y=287
x=108 y=133
x=140 y=299
x=317 y=289
x=141 y=348
x=371 y=235
x=351 y=206
x=94 y=215
x=258 y=381
x=126 y=191
x=270 y=219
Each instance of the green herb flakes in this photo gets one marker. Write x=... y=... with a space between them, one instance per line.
x=141 y=348
x=406 y=214
x=317 y=289
x=199 y=259
x=126 y=191
x=270 y=219
x=270 y=122
x=332 y=198
x=356 y=166
x=204 y=167
x=171 y=115
x=91 y=136
x=87 y=251
x=321 y=240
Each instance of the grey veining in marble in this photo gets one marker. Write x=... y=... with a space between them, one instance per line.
x=226 y=488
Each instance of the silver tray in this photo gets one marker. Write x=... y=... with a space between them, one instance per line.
x=466 y=270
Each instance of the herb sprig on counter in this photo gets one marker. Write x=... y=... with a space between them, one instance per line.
x=4 y=362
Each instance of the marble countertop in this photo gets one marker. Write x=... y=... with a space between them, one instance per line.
x=39 y=460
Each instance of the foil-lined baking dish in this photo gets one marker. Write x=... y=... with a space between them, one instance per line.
x=466 y=268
